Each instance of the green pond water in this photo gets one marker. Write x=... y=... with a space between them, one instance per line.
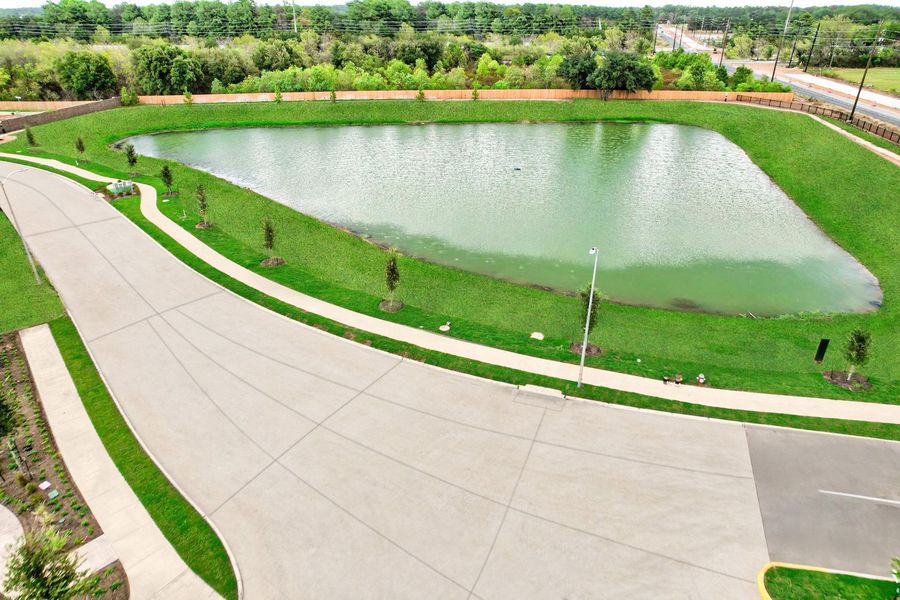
x=683 y=218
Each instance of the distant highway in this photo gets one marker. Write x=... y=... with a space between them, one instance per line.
x=882 y=114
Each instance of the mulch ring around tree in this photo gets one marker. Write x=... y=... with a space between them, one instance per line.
x=839 y=378
x=390 y=306
x=273 y=261
x=592 y=350
x=203 y=225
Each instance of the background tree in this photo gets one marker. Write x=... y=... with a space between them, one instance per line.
x=576 y=69
x=166 y=175
x=202 y=206
x=857 y=350
x=41 y=568
x=130 y=155
x=79 y=145
x=621 y=71
x=87 y=75
x=391 y=277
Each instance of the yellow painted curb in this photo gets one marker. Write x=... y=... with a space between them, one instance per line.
x=761 y=576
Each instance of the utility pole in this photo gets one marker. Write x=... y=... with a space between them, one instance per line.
x=724 y=42
x=793 y=48
x=294 y=11
x=787 y=22
x=813 y=47
x=655 y=31
x=587 y=322
x=868 y=64
x=674 y=38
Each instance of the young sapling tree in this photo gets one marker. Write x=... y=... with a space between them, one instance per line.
x=857 y=350
x=391 y=280
x=268 y=234
x=166 y=175
x=202 y=207
x=130 y=155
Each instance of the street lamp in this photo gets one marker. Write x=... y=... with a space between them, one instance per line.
x=587 y=322
x=12 y=214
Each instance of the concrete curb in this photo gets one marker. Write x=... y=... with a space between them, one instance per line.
x=150 y=561
x=761 y=576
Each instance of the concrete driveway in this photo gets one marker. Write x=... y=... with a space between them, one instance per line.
x=335 y=471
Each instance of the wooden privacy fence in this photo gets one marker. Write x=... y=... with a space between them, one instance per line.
x=883 y=131
x=491 y=94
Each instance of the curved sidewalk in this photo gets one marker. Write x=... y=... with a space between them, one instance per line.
x=730 y=399
x=154 y=569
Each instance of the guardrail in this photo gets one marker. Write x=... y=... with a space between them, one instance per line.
x=882 y=131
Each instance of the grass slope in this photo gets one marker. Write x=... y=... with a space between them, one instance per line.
x=22 y=302
x=875 y=139
x=799 y=584
x=130 y=207
x=847 y=190
x=186 y=530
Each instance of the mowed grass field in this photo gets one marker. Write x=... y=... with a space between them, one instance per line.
x=847 y=190
x=883 y=78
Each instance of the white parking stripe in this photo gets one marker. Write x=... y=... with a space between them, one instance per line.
x=858 y=497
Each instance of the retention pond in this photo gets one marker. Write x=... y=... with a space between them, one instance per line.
x=682 y=217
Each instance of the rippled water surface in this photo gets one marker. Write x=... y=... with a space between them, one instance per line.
x=681 y=215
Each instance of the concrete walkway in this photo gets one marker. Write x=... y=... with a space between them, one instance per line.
x=334 y=470
x=10 y=533
x=733 y=399
x=153 y=567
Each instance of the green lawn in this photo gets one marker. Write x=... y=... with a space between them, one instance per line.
x=799 y=584
x=23 y=303
x=875 y=139
x=882 y=78
x=813 y=165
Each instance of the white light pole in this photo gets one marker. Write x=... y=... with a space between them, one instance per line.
x=587 y=321
x=12 y=215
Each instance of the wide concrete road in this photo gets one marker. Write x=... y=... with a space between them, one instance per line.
x=336 y=471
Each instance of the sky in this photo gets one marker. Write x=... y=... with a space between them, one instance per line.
x=638 y=3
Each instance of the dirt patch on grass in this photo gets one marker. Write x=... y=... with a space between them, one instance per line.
x=592 y=350
x=390 y=306
x=274 y=261
x=855 y=383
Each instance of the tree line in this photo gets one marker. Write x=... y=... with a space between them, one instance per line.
x=85 y=19
x=321 y=57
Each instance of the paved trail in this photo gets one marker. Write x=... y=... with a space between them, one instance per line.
x=732 y=399
x=333 y=470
